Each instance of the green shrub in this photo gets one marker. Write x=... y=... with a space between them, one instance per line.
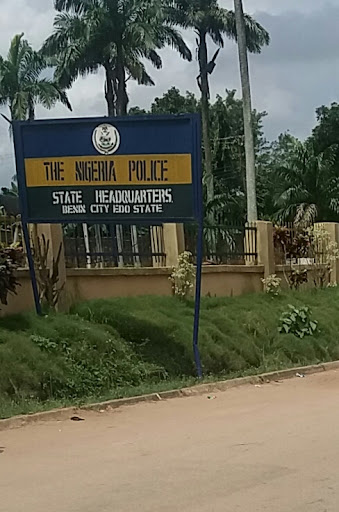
x=298 y=321
x=272 y=285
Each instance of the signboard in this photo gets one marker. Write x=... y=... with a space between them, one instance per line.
x=133 y=169
x=111 y=170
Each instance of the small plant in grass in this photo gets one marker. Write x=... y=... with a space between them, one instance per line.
x=298 y=321
x=183 y=276
x=272 y=285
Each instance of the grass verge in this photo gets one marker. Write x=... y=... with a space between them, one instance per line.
x=118 y=348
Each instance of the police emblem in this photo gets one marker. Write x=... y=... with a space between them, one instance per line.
x=106 y=139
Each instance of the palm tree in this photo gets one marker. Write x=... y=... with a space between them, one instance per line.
x=308 y=186
x=21 y=84
x=206 y=18
x=113 y=35
x=116 y=36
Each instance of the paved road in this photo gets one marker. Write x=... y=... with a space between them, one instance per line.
x=250 y=449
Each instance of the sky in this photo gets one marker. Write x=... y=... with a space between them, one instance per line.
x=297 y=73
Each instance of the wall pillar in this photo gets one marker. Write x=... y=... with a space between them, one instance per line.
x=174 y=242
x=265 y=247
x=333 y=230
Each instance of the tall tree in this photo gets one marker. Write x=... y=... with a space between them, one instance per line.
x=21 y=84
x=306 y=187
x=172 y=102
x=116 y=35
x=207 y=18
x=252 y=210
x=227 y=149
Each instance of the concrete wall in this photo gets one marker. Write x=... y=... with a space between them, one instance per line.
x=85 y=284
x=223 y=280
x=219 y=281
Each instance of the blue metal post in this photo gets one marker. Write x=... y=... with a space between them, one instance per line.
x=31 y=269
x=198 y=300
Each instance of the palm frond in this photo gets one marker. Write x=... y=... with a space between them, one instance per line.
x=306 y=215
x=138 y=72
x=173 y=38
x=256 y=35
x=76 y=6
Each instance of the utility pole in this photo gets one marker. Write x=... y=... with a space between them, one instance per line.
x=252 y=211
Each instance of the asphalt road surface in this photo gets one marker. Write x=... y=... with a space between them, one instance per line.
x=251 y=449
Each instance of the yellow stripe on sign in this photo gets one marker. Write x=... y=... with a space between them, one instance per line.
x=109 y=170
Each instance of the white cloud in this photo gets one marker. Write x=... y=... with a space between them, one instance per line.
x=299 y=72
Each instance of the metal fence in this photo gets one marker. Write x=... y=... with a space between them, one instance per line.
x=100 y=246
x=104 y=246
x=225 y=244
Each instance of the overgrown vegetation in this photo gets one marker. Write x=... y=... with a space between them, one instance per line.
x=121 y=347
x=10 y=259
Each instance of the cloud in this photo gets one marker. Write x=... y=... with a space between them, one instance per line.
x=296 y=74
x=33 y=17
x=279 y=6
x=302 y=37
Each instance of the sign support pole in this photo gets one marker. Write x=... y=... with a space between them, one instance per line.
x=32 y=269
x=198 y=299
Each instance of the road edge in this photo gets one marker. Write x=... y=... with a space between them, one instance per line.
x=200 y=389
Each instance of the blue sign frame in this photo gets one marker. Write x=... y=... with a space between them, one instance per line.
x=67 y=139
x=140 y=135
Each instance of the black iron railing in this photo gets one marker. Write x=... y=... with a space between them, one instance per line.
x=102 y=245
x=225 y=244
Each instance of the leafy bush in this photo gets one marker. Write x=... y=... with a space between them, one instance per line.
x=298 y=321
x=291 y=245
x=183 y=276
x=10 y=259
x=297 y=277
x=272 y=285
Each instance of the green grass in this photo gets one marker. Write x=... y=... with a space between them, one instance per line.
x=123 y=347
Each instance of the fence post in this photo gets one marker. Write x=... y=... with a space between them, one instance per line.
x=54 y=234
x=157 y=243
x=174 y=242
x=333 y=229
x=265 y=246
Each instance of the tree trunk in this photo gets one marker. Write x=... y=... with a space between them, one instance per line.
x=122 y=104
x=205 y=111
x=109 y=92
x=252 y=212
x=122 y=97
x=31 y=115
x=31 y=111
x=204 y=87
